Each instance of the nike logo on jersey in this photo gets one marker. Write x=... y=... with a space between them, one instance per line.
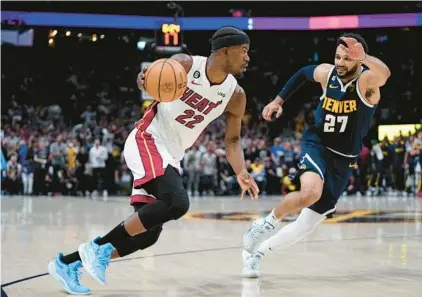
x=195 y=83
x=331 y=86
x=352 y=165
x=336 y=106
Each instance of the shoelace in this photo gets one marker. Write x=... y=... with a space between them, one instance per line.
x=103 y=261
x=254 y=264
x=74 y=275
x=257 y=229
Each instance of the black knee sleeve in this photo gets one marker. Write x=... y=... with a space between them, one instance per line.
x=180 y=206
x=140 y=241
x=170 y=206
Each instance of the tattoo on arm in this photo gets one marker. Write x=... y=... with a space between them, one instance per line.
x=369 y=93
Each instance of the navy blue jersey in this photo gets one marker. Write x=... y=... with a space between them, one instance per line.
x=342 y=117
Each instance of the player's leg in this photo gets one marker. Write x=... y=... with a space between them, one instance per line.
x=171 y=204
x=164 y=184
x=336 y=178
x=312 y=168
x=140 y=241
x=65 y=269
x=305 y=223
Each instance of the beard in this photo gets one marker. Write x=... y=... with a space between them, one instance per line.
x=348 y=73
x=239 y=75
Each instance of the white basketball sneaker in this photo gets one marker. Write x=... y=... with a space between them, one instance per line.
x=260 y=230
x=251 y=287
x=251 y=264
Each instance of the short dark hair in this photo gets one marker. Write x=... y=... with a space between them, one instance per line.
x=227 y=36
x=358 y=37
x=227 y=31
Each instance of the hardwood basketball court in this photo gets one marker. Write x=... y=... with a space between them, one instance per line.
x=372 y=247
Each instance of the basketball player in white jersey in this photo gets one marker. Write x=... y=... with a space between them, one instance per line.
x=153 y=152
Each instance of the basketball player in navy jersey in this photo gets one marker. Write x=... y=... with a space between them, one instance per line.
x=330 y=147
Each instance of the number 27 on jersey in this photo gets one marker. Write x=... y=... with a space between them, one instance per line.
x=332 y=122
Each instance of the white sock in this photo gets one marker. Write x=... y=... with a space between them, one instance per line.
x=272 y=219
x=293 y=232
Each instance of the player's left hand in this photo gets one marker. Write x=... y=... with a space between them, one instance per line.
x=248 y=184
x=354 y=49
x=140 y=80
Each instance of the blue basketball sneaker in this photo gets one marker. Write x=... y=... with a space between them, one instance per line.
x=95 y=258
x=67 y=275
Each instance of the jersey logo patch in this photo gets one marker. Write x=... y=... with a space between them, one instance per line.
x=196 y=74
x=331 y=86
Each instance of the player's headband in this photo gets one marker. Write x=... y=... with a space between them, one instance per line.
x=228 y=40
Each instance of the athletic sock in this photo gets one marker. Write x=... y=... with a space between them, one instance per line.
x=71 y=258
x=293 y=232
x=272 y=219
x=116 y=237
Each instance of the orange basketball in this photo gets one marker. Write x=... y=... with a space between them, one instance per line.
x=165 y=80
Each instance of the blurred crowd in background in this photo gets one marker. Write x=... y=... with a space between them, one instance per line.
x=66 y=113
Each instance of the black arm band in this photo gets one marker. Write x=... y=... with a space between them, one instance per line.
x=303 y=75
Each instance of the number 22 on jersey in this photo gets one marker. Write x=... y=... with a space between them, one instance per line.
x=331 y=123
x=189 y=119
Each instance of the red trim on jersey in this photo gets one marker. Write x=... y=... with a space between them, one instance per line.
x=142 y=199
x=150 y=157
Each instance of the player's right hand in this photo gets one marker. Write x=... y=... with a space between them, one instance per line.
x=247 y=184
x=140 y=79
x=270 y=109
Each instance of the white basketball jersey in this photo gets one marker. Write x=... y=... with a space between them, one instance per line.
x=178 y=124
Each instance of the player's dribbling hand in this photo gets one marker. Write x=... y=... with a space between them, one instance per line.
x=248 y=184
x=270 y=109
x=354 y=49
x=140 y=79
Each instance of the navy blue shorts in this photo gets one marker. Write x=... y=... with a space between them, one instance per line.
x=335 y=170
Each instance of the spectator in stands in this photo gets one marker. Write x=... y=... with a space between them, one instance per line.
x=82 y=173
x=399 y=152
x=3 y=172
x=226 y=176
x=209 y=169
x=97 y=157
x=273 y=180
x=287 y=183
x=258 y=173
x=13 y=175
x=28 y=173
x=191 y=165
x=277 y=151
x=40 y=154
x=417 y=152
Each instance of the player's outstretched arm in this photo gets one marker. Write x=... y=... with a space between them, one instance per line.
x=234 y=113
x=314 y=73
